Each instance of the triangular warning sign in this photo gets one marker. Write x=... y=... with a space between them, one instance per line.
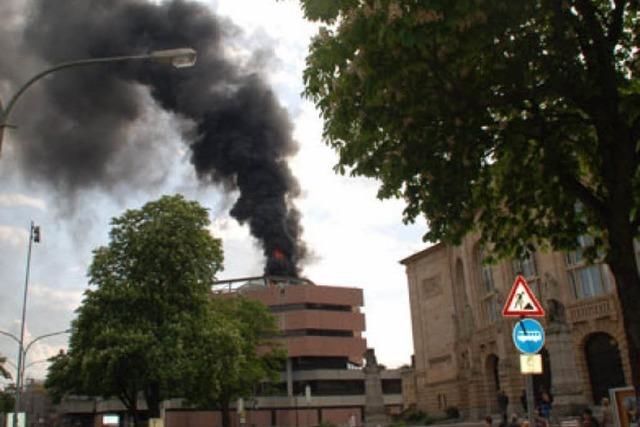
x=522 y=301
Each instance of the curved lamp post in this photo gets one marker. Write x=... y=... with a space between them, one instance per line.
x=27 y=348
x=22 y=357
x=179 y=58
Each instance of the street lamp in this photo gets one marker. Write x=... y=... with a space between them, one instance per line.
x=34 y=236
x=22 y=355
x=179 y=58
x=27 y=348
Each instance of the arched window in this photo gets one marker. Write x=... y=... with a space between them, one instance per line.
x=460 y=293
x=487 y=288
x=528 y=268
x=486 y=273
x=604 y=364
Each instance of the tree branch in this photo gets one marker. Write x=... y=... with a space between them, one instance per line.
x=126 y=400
x=616 y=23
x=569 y=85
x=569 y=181
x=585 y=195
x=600 y=53
x=635 y=129
x=593 y=24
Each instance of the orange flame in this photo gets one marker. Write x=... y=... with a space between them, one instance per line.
x=277 y=254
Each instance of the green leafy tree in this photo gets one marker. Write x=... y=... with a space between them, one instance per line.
x=6 y=396
x=235 y=354
x=3 y=371
x=134 y=330
x=7 y=401
x=516 y=120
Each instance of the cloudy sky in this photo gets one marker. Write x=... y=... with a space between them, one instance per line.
x=356 y=239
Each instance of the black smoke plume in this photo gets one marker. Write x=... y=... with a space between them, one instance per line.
x=76 y=125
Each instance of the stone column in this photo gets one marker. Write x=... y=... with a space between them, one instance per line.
x=566 y=385
x=289 y=378
x=375 y=414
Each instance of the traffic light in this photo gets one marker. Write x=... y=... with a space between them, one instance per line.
x=36 y=234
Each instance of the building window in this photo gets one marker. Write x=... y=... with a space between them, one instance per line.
x=485 y=273
x=489 y=303
x=528 y=268
x=587 y=280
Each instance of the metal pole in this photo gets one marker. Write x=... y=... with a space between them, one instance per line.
x=16 y=409
x=158 y=55
x=530 y=400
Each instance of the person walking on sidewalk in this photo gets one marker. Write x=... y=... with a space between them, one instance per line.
x=545 y=403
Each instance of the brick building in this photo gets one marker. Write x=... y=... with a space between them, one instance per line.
x=463 y=347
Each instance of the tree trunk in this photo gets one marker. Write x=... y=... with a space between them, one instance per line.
x=622 y=262
x=131 y=405
x=134 y=413
x=225 y=411
x=152 y=396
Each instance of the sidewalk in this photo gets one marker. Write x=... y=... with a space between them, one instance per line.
x=564 y=422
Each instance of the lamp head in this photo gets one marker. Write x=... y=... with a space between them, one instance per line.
x=180 y=58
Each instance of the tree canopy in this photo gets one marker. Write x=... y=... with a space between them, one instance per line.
x=150 y=289
x=7 y=400
x=516 y=120
x=235 y=353
x=3 y=371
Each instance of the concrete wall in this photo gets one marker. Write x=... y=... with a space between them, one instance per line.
x=298 y=294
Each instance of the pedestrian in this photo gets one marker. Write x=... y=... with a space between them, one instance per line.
x=503 y=403
x=488 y=422
x=539 y=420
x=514 y=421
x=545 y=404
x=588 y=420
x=607 y=416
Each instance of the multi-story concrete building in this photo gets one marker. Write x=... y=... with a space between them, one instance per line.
x=321 y=329
x=463 y=347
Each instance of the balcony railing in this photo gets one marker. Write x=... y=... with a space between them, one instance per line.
x=592 y=309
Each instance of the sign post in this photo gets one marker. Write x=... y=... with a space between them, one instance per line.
x=527 y=335
x=530 y=399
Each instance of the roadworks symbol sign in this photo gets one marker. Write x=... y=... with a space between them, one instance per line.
x=522 y=301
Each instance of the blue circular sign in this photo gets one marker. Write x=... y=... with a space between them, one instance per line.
x=528 y=336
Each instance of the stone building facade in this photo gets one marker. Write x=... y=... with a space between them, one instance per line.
x=463 y=347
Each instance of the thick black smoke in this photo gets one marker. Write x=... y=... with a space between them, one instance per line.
x=79 y=122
